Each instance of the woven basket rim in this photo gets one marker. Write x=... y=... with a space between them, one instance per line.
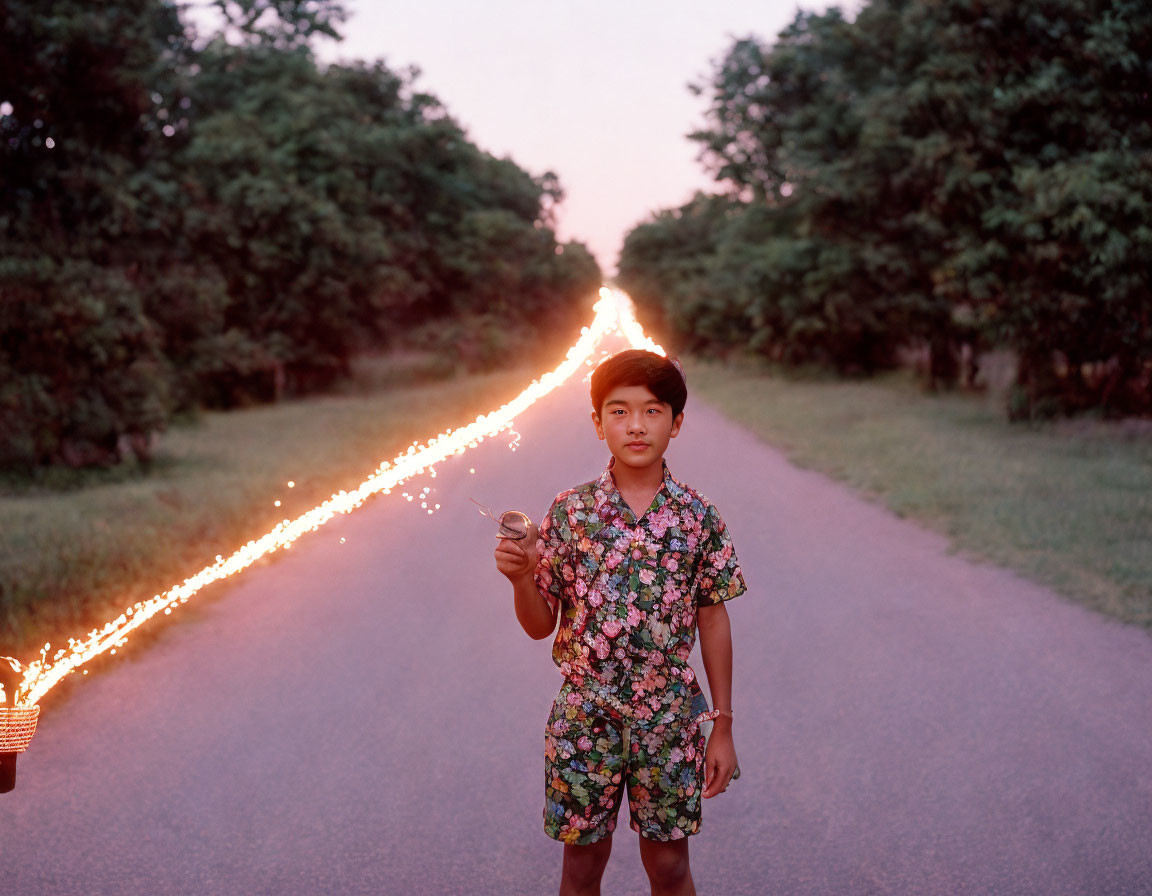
x=17 y=726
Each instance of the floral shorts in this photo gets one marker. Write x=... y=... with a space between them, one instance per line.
x=591 y=757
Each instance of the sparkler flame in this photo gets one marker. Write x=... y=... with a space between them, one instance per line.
x=614 y=313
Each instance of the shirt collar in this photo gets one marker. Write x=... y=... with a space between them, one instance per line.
x=671 y=485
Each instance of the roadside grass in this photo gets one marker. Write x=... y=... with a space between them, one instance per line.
x=1067 y=504
x=77 y=547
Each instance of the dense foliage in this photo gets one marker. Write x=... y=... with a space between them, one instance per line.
x=216 y=219
x=936 y=173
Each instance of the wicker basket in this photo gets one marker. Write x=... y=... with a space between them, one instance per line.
x=17 y=725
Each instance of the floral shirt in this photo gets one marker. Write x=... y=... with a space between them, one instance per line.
x=629 y=589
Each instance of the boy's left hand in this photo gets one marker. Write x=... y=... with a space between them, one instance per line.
x=719 y=762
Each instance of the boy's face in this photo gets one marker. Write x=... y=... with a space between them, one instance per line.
x=636 y=425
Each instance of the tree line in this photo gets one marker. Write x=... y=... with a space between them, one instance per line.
x=956 y=175
x=207 y=220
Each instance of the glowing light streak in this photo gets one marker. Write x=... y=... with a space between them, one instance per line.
x=613 y=313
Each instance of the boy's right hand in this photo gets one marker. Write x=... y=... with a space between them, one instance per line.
x=517 y=558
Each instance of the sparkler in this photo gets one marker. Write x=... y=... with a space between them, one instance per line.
x=614 y=313
x=510 y=524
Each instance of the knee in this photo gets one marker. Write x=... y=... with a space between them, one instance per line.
x=584 y=865
x=667 y=867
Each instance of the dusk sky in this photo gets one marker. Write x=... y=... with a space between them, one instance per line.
x=594 y=90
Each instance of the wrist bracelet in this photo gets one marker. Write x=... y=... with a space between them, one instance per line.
x=725 y=712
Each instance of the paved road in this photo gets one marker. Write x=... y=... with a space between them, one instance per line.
x=366 y=716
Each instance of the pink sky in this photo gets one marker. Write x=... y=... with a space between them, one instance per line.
x=594 y=90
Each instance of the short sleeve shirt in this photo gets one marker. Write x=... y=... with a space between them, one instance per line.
x=629 y=589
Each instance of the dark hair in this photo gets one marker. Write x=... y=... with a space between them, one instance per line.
x=636 y=367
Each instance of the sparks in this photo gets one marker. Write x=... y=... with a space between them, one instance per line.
x=614 y=313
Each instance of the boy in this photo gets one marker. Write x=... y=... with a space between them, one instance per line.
x=631 y=563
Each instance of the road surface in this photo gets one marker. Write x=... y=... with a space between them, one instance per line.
x=365 y=716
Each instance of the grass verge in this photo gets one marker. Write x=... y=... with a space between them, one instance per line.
x=1067 y=504
x=77 y=547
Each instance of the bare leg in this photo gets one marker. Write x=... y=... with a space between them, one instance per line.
x=667 y=867
x=583 y=867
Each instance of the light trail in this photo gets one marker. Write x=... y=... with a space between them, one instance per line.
x=614 y=313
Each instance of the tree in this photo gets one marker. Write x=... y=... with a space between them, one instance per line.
x=224 y=221
x=282 y=24
x=939 y=173
x=79 y=359
x=1057 y=260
